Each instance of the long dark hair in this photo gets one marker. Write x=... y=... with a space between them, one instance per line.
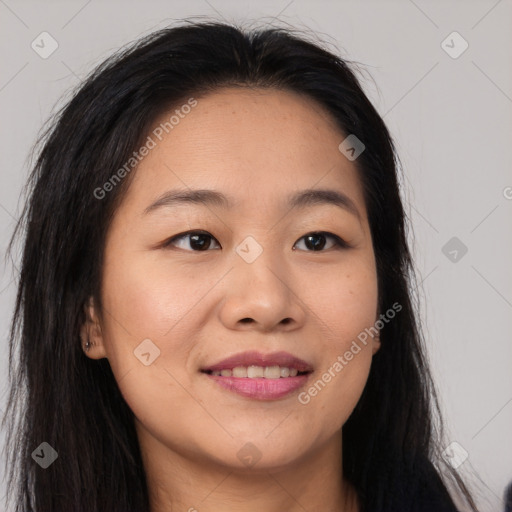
x=391 y=442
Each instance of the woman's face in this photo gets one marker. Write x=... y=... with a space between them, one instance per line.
x=253 y=282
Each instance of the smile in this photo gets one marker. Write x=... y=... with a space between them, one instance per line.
x=254 y=372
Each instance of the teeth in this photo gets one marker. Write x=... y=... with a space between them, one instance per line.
x=240 y=371
x=272 y=372
x=255 y=372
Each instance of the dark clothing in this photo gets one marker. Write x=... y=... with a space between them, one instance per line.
x=508 y=498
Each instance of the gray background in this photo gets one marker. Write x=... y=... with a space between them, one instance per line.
x=451 y=119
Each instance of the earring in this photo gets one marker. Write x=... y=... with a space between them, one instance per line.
x=87 y=345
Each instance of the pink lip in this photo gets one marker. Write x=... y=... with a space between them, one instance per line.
x=254 y=358
x=261 y=389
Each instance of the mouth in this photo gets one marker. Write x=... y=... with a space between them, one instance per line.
x=260 y=376
x=256 y=372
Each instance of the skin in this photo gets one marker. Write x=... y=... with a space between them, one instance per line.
x=257 y=146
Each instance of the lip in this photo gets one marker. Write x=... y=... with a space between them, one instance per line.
x=261 y=389
x=254 y=358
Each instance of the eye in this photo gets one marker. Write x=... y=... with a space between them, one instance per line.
x=198 y=240
x=316 y=241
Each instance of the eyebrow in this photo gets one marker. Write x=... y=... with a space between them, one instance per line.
x=301 y=199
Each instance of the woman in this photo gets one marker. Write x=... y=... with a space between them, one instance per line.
x=214 y=309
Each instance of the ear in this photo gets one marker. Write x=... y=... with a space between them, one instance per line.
x=375 y=344
x=376 y=339
x=91 y=334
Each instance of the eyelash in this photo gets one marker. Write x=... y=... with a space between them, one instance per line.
x=339 y=243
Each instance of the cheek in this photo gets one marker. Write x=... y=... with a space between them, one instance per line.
x=149 y=300
x=345 y=303
x=345 y=299
x=144 y=301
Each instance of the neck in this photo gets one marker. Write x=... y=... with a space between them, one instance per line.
x=177 y=481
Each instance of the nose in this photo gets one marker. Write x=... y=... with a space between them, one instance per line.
x=262 y=296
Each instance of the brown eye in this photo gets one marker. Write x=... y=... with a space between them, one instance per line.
x=201 y=241
x=315 y=242
x=197 y=241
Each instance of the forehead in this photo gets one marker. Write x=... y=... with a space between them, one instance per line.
x=256 y=145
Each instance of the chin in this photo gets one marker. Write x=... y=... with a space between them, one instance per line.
x=259 y=454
